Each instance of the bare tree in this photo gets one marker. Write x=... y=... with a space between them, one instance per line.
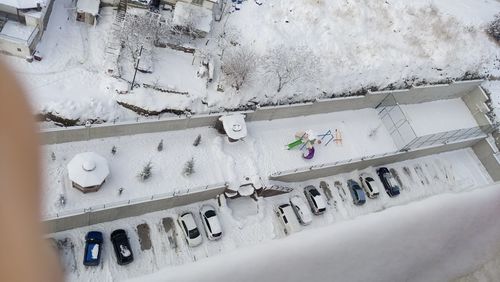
x=239 y=65
x=142 y=30
x=494 y=28
x=290 y=64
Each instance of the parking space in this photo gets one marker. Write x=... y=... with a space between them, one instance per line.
x=246 y=222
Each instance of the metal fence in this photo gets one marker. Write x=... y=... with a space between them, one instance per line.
x=173 y=194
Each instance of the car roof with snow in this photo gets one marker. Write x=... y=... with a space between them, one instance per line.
x=301 y=204
x=189 y=220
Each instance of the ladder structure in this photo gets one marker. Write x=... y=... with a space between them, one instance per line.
x=113 y=48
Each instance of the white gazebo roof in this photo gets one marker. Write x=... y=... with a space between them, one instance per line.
x=88 y=169
x=235 y=126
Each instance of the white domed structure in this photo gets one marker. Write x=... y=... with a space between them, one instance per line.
x=88 y=171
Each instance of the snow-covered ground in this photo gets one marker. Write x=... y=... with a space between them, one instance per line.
x=246 y=222
x=358 y=43
x=439 y=116
x=216 y=159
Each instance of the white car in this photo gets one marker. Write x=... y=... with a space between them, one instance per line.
x=301 y=210
x=369 y=185
x=288 y=219
x=315 y=199
x=190 y=230
x=211 y=222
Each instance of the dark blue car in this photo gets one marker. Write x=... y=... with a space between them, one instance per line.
x=93 y=247
x=358 y=195
x=390 y=185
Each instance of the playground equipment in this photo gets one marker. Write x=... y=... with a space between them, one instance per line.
x=307 y=139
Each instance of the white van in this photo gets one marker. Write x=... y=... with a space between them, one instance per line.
x=288 y=219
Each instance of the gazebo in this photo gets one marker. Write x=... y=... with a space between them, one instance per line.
x=88 y=171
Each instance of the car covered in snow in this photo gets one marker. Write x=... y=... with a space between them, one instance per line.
x=390 y=184
x=93 y=247
x=369 y=185
x=121 y=245
x=288 y=219
x=190 y=229
x=315 y=199
x=301 y=210
x=211 y=222
x=357 y=194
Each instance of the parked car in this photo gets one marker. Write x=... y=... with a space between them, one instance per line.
x=288 y=218
x=369 y=185
x=301 y=210
x=93 y=246
x=190 y=229
x=121 y=245
x=315 y=199
x=211 y=222
x=390 y=184
x=358 y=196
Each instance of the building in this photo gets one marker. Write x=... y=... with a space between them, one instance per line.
x=88 y=172
x=87 y=11
x=22 y=23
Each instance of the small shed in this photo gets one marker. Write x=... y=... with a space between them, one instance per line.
x=88 y=171
x=87 y=11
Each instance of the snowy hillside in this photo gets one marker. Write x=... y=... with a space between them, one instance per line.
x=334 y=47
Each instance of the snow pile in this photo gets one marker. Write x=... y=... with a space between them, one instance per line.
x=380 y=243
x=192 y=16
x=445 y=115
x=88 y=6
x=95 y=251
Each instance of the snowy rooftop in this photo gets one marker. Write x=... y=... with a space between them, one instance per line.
x=88 y=6
x=88 y=169
x=17 y=30
x=439 y=116
x=22 y=4
x=186 y=13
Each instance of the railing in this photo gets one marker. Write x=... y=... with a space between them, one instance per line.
x=173 y=194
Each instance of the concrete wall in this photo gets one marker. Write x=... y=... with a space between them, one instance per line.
x=11 y=47
x=476 y=102
x=488 y=154
x=329 y=170
x=371 y=100
x=128 y=210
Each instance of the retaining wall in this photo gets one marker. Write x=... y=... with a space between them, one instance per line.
x=118 y=211
x=320 y=106
x=314 y=172
x=488 y=154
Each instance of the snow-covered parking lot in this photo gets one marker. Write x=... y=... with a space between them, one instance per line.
x=247 y=222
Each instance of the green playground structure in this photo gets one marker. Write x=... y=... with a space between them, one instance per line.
x=294 y=144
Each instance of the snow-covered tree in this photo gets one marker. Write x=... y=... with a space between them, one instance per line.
x=113 y=150
x=53 y=156
x=239 y=65
x=197 y=141
x=494 y=28
x=145 y=174
x=290 y=64
x=189 y=167
x=142 y=30
x=190 y=21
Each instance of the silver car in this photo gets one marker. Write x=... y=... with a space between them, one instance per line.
x=315 y=199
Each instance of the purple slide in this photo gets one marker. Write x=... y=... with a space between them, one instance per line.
x=309 y=154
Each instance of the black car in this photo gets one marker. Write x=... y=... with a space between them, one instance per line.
x=390 y=184
x=121 y=246
x=93 y=246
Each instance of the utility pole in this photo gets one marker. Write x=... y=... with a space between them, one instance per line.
x=136 y=66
